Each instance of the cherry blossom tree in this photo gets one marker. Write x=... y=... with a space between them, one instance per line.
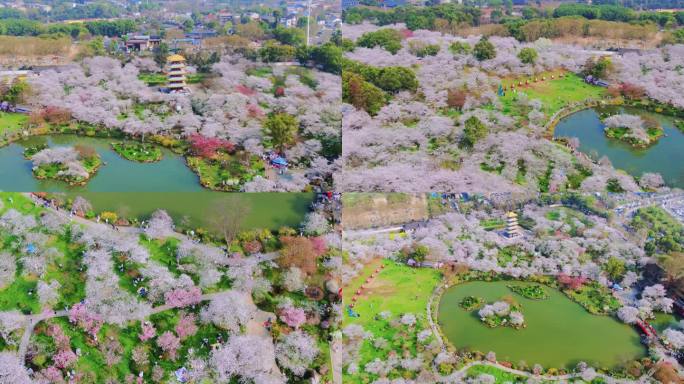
x=231 y=310
x=674 y=337
x=293 y=280
x=64 y=358
x=292 y=316
x=296 y=351
x=12 y=370
x=246 y=357
x=160 y=225
x=186 y=325
x=89 y=322
x=315 y=224
x=8 y=268
x=628 y=315
x=148 y=331
x=180 y=297
x=169 y=343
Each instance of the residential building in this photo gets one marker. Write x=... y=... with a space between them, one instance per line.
x=346 y=4
x=141 y=42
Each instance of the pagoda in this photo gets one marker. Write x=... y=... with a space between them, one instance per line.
x=512 y=227
x=175 y=73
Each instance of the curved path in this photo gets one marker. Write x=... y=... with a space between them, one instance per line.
x=433 y=326
x=458 y=376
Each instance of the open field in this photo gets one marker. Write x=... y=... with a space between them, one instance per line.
x=11 y=122
x=396 y=288
x=554 y=94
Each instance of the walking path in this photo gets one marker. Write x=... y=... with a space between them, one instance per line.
x=458 y=376
x=433 y=326
x=336 y=360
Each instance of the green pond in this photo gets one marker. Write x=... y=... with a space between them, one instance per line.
x=665 y=157
x=194 y=209
x=560 y=333
x=116 y=174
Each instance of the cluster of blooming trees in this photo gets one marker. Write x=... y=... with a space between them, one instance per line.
x=416 y=364
x=411 y=145
x=230 y=111
x=557 y=246
x=656 y=72
x=246 y=350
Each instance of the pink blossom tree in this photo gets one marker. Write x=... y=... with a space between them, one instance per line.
x=179 y=298
x=64 y=358
x=62 y=340
x=148 y=331
x=169 y=343
x=319 y=245
x=89 y=322
x=186 y=325
x=293 y=317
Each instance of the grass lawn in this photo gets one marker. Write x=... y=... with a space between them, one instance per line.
x=164 y=252
x=16 y=295
x=260 y=72
x=571 y=217
x=595 y=298
x=397 y=288
x=152 y=79
x=554 y=94
x=513 y=254
x=11 y=122
x=20 y=294
x=194 y=78
x=493 y=224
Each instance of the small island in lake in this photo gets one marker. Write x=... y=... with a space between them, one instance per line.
x=73 y=165
x=470 y=303
x=503 y=313
x=638 y=131
x=140 y=152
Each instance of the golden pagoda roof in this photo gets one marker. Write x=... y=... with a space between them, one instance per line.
x=175 y=57
x=511 y=214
